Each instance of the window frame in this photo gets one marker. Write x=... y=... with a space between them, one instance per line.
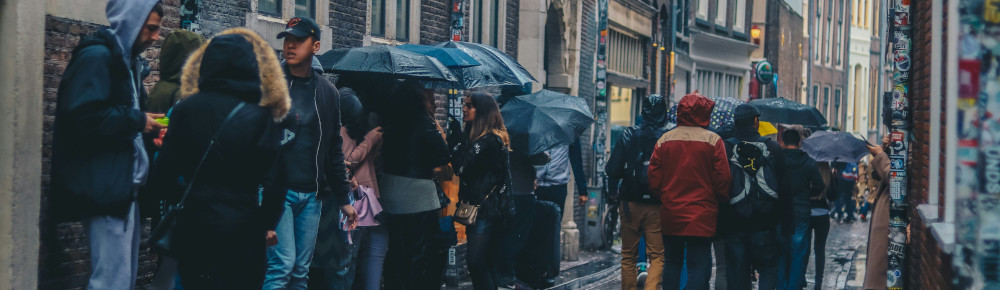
x=722 y=13
x=702 y=12
x=740 y=19
x=390 y=35
x=487 y=26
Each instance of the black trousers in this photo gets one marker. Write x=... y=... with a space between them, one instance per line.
x=820 y=227
x=555 y=194
x=758 y=249
x=513 y=237
x=481 y=253
x=699 y=262
x=414 y=259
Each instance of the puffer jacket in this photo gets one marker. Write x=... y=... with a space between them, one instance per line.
x=224 y=217
x=483 y=166
x=689 y=170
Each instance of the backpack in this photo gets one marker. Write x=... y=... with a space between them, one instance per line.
x=636 y=181
x=753 y=193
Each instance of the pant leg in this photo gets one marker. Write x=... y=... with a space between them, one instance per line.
x=651 y=232
x=799 y=255
x=306 y=227
x=673 y=251
x=281 y=257
x=822 y=226
x=737 y=265
x=630 y=233
x=555 y=194
x=699 y=262
x=764 y=253
x=370 y=264
x=114 y=250
x=513 y=238
x=719 y=251
x=479 y=255
x=166 y=274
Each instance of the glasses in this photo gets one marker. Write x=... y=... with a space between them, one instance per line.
x=467 y=105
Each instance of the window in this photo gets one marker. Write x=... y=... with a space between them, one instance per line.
x=836 y=106
x=815 y=97
x=402 y=20
x=702 y=9
x=626 y=54
x=721 y=12
x=815 y=39
x=829 y=44
x=866 y=16
x=488 y=22
x=826 y=104
x=621 y=106
x=740 y=14
x=378 y=17
x=305 y=8
x=269 y=7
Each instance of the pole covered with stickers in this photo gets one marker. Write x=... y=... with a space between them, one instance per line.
x=899 y=133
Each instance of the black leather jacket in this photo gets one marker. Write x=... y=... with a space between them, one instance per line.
x=484 y=168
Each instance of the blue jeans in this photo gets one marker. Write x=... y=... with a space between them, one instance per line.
x=797 y=255
x=288 y=261
x=374 y=245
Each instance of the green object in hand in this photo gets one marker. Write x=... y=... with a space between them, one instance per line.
x=163 y=121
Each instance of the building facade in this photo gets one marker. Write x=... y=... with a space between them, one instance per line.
x=828 y=24
x=713 y=54
x=859 y=93
x=777 y=29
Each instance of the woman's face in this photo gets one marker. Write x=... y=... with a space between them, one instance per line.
x=468 y=111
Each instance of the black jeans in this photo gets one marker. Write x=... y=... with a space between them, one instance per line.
x=699 y=261
x=513 y=237
x=411 y=262
x=760 y=249
x=555 y=194
x=481 y=253
x=820 y=226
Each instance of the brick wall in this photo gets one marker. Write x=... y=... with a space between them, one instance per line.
x=64 y=256
x=513 y=13
x=348 y=18
x=587 y=89
x=435 y=21
x=219 y=15
x=929 y=267
x=781 y=45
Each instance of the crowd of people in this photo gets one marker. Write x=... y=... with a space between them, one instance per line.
x=272 y=177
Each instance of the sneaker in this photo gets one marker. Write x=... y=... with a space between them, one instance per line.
x=642 y=278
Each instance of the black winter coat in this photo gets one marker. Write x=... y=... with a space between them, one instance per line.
x=633 y=139
x=220 y=233
x=95 y=125
x=483 y=166
x=800 y=182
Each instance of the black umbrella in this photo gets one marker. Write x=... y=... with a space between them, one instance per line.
x=496 y=68
x=382 y=60
x=543 y=120
x=449 y=57
x=784 y=111
x=827 y=146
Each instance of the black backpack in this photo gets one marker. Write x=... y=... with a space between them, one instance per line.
x=636 y=182
x=754 y=192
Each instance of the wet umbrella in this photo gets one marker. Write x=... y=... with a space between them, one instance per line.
x=382 y=60
x=721 y=122
x=449 y=57
x=784 y=111
x=496 y=69
x=542 y=120
x=834 y=146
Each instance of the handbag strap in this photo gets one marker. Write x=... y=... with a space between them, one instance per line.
x=211 y=143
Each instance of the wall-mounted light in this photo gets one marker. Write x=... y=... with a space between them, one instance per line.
x=755 y=34
x=654 y=44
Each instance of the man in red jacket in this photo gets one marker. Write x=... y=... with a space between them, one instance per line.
x=690 y=172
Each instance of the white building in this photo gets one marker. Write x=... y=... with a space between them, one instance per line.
x=859 y=91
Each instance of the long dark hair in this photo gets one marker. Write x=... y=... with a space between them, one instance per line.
x=488 y=119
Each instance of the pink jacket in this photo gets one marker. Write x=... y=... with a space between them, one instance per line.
x=360 y=158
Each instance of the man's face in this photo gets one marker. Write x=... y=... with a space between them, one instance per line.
x=299 y=50
x=149 y=34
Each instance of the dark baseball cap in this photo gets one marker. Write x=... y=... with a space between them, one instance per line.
x=745 y=111
x=301 y=27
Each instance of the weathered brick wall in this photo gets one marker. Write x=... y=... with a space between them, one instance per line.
x=513 y=12
x=64 y=256
x=782 y=47
x=587 y=89
x=348 y=18
x=929 y=267
x=218 y=15
x=435 y=21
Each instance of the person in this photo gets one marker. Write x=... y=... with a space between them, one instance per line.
x=176 y=47
x=753 y=212
x=220 y=235
x=819 y=222
x=845 y=183
x=866 y=187
x=412 y=147
x=317 y=176
x=515 y=231
x=877 y=263
x=639 y=209
x=800 y=183
x=689 y=171
x=553 y=177
x=481 y=161
x=99 y=155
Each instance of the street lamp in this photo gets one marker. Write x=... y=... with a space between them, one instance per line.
x=755 y=34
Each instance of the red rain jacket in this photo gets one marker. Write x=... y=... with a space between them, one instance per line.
x=690 y=172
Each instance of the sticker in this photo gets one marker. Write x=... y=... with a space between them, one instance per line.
x=897 y=188
x=968 y=79
x=897 y=163
x=991 y=11
x=900 y=76
x=899 y=97
x=901 y=19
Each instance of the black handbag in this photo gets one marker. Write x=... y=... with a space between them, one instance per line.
x=161 y=237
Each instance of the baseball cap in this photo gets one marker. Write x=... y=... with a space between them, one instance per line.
x=301 y=27
x=745 y=111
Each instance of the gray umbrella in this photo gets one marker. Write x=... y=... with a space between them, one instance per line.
x=827 y=146
x=543 y=120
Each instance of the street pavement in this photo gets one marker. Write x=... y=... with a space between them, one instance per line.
x=845 y=261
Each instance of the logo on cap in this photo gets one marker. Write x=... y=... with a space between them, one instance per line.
x=293 y=22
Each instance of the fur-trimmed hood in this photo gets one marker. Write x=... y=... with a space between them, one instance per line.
x=238 y=62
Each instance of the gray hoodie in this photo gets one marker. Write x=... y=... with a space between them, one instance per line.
x=126 y=18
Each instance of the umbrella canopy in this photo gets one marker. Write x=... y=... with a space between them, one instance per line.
x=543 y=120
x=385 y=61
x=496 y=69
x=449 y=57
x=825 y=146
x=766 y=128
x=784 y=111
x=721 y=121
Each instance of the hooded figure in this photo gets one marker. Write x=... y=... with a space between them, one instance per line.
x=689 y=171
x=173 y=53
x=219 y=237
